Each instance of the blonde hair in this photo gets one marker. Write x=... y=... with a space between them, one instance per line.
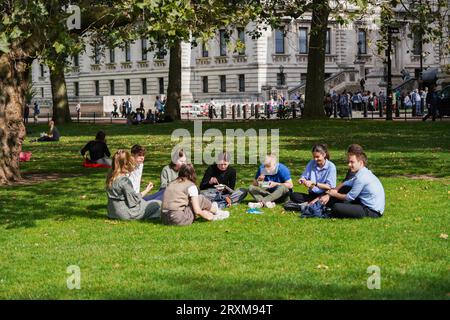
x=122 y=162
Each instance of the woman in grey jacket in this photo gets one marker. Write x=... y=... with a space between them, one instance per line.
x=123 y=202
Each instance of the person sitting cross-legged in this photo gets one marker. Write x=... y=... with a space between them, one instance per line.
x=124 y=202
x=272 y=183
x=366 y=197
x=98 y=150
x=219 y=181
x=182 y=203
x=319 y=175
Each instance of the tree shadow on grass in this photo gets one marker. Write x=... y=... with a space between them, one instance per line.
x=213 y=286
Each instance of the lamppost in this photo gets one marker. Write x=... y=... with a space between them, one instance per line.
x=281 y=75
x=390 y=31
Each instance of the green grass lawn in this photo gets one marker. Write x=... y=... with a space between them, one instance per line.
x=46 y=227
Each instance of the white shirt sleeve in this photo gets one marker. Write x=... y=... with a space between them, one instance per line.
x=193 y=191
x=135 y=178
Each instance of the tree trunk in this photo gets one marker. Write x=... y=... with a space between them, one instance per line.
x=315 y=79
x=14 y=75
x=174 y=86
x=61 y=111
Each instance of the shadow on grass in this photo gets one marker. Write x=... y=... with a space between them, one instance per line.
x=310 y=286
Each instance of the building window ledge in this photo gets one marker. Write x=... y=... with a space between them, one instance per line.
x=278 y=57
x=203 y=61
x=143 y=64
x=95 y=67
x=221 y=60
x=127 y=65
x=159 y=62
x=240 y=58
x=111 y=66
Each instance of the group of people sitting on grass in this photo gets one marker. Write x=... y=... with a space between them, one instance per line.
x=179 y=201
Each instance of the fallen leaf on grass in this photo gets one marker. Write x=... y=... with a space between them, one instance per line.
x=111 y=221
x=322 y=266
x=443 y=236
x=418 y=219
x=83 y=196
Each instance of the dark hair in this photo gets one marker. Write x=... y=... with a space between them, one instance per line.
x=321 y=148
x=138 y=150
x=177 y=155
x=357 y=151
x=187 y=171
x=100 y=136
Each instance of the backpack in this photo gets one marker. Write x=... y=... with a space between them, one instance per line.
x=316 y=210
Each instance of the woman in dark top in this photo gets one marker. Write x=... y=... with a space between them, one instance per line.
x=98 y=150
x=52 y=135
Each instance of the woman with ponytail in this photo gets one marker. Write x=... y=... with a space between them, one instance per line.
x=123 y=201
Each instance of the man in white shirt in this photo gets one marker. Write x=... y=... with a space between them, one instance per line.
x=138 y=152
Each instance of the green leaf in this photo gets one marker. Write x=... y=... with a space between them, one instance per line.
x=4 y=43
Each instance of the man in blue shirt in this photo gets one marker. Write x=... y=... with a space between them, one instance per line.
x=319 y=175
x=272 y=183
x=366 y=197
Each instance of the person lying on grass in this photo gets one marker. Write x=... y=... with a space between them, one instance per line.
x=319 y=175
x=365 y=196
x=98 y=150
x=182 y=203
x=272 y=183
x=124 y=202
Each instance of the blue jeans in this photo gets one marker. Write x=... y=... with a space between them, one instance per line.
x=156 y=196
x=418 y=108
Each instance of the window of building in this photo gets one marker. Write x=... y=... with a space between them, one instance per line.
x=303 y=40
x=97 y=54
x=205 y=84
x=161 y=85
x=97 y=87
x=42 y=92
x=112 y=88
x=241 y=37
x=328 y=42
x=41 y=66
x=127 y=52
x=144 y=49
x=76 y=89
x=362 y=42
x=279 y=41
x=112 y=55
x=222 y=43
x=223 y=83
x=242 y=83
x=144 y=85
x=76 y=60
x=127 y=87
x=205 y=52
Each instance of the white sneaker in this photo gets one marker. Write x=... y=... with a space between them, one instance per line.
x=270 y=204
x=253 y=205
x=214 y=208
x=221 y=215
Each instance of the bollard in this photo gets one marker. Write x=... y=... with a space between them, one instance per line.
x=252 y=110
x=365 y=110
x=294 y=110
x=380 y=110
x=238 y=110
x=233 y=112
x=397 y=110
x=257 y=111
x=222 y=113
x=245 y=111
